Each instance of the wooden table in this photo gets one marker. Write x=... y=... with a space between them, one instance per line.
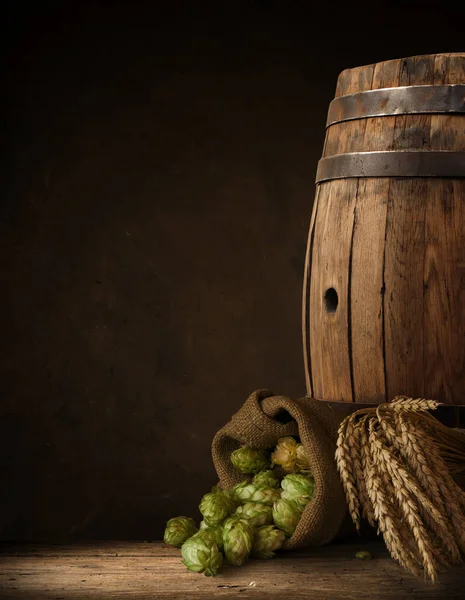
x=154 y=570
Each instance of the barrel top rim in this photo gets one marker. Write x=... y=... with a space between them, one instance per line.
x=373 y=64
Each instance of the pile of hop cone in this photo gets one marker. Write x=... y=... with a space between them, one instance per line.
x=255 y=517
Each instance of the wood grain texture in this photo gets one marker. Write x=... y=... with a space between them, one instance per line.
x=367 y=277
x=305 y=296
x=403 y=280
x=401 y=335
x=404 y=249
x=444 y=264
x=444 y=289
x=367 y=291
x=143 y=570
x=331 y=254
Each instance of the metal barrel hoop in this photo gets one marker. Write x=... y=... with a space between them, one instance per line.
x=417 y=99
x=392 y=163
x=383 y=102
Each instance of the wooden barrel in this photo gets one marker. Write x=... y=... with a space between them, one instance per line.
x=384 y=288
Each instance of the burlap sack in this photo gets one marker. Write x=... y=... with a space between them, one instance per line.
x=259 y=423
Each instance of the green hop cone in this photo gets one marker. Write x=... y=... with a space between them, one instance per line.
x=248 y=492
x=302 y=462
x=298 y=488
x=266 y=540
x=237 y=540
x=256 y=514
x=178 y=530
x=286 y=515
x=216 y=489
x=201 y=554
x=266 y=479
x=216 y=506
x=250 y=460
x=243 y=491
x=216 y=534
x=285 y=454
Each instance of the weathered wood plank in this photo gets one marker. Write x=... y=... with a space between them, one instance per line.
x=403 y=276
x=444 y=294
x=305 y=300
x=367 y=291
x=447 y=131
x=329 y=326
x=444 y=290
x=367 y=284
x=154 y=571
x=348 y=136
x=404 y=250
x=379 y=131
x=364 y=135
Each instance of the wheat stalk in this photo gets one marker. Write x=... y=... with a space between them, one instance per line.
x=395 y=463
x=409 y=404
x=407 y=487
x=389 y=523
x=450 y=492
x=344 y=465
x=408 y=509
x=420 y=480
x=362 y=440
x=414 y=453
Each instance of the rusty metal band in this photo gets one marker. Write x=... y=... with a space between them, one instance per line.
x=415 y=99
x=394 y=163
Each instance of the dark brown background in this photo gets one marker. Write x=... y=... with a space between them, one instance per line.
x=160 y=187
